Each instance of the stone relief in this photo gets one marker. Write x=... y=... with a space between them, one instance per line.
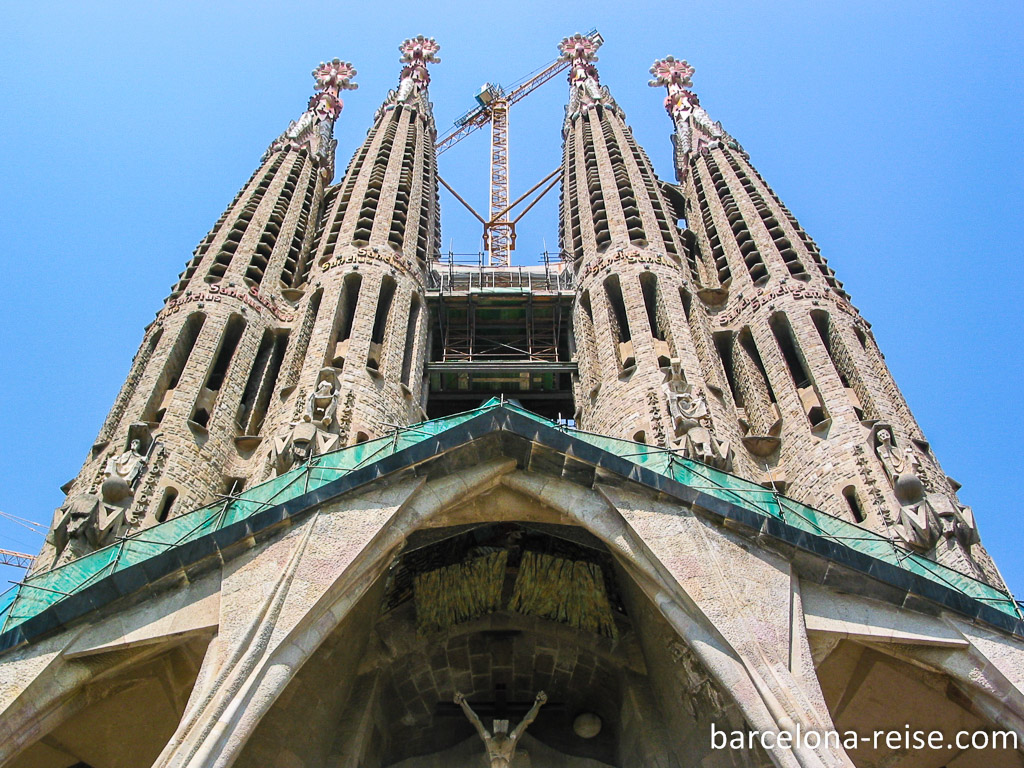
x=925 y=517
x=699 y=693
x=691 y=420
x=122 y=473
x=501 y=745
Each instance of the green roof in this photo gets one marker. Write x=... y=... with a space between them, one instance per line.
x=45 y=590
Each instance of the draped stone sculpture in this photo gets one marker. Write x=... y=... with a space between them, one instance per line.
x=300 y=441
x=691 y=421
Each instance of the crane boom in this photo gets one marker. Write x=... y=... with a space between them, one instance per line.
x=494 y=103
x=17 y=559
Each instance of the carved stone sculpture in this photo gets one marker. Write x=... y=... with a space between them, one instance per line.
x=691 y=422
x=82 y=525
x=417 y=52
x=321 y=405
x=924 y=517
x=585 y=91
x=122 y=473
x=501 y=745
x=299 y=442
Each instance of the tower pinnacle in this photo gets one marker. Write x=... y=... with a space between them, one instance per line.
x=417 y=52
x=694 y=126
x=585 y=89
x=314 y=130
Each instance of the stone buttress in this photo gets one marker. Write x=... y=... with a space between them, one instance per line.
x=820 y=415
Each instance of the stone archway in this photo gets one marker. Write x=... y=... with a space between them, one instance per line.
x=869 y=689
x=125 y=715
x=378 y=692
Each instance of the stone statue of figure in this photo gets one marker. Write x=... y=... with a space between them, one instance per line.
x=501 y=745
x=321 y=405
x=924 y=517
x=691 y=420
x=122 y=473
x=300 y=441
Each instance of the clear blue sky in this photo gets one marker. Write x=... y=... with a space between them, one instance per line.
x=892 y=130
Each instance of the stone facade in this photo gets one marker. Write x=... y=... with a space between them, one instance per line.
x=345 y=625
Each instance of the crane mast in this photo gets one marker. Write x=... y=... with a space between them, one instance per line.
x=493 y=107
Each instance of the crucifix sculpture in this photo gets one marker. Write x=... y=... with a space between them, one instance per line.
x=501 y=745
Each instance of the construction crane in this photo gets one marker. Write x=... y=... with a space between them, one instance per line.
x=17 y=559
x=493 y=105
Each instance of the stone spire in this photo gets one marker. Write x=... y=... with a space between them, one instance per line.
x=314 y=130
x=793 y=363
x=694 y=127
x=362 y=342
x=640 y=373
x=414 y=80
x=585 y=89
x=186 y=424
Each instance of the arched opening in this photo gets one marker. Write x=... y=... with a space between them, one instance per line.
x=498 y=612
x=127 y=715
x=869 y=690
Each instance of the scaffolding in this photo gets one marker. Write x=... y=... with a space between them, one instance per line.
x=501 y=330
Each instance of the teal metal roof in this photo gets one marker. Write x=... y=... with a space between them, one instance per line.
x=47 y=590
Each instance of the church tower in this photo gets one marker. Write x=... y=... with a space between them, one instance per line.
x=819 y=414
x=203 y=385
x=639 y=363
x=362 y=333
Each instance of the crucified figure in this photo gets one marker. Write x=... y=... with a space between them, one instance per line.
x=501 y=746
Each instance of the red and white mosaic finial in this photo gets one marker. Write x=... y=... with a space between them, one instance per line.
x=331 y=77
x=581 y=52
x=676 y=76
x=417 y=52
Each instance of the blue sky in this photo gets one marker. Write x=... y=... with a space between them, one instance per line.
x=891 y=131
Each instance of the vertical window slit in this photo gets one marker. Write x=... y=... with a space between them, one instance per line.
x=173 y=368
x=337 y=350
x=410 y=338
x=619 y=320
x=380 y=321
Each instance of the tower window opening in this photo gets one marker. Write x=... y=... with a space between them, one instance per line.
x=232 y=335
x=337 y=351
x=384 y=301
x=173 y=368
x=410 y=338
x=166 y=504
x=813 y=405
x=842 y=361
x=621 y=335
x=850 y=494
x=723 y=344
x=762 y=414
x=687 y=299
x=649 y=287
x=261 y=383
x=203 y=408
